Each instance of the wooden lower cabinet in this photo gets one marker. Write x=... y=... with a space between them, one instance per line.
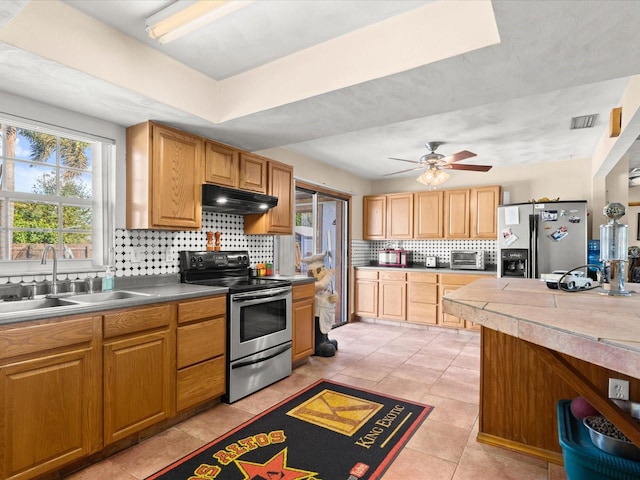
x=303 y=321
x=422 y=299
x=366 y=293
x=50 y=395
x=200 y=351
x=139 y=370
x=412 y=296
x=392 y=295
x=449 y=282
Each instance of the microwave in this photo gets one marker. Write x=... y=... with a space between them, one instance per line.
x=394 y=258
x=467 y=260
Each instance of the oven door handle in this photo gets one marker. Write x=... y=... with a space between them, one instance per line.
x=277 y=295
x=260 y=360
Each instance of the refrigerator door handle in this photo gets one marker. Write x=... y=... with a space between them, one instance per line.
x=533 y=246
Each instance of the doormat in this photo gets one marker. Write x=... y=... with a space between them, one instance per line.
x=328 y=431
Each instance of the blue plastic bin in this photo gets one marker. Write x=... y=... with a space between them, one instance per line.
x=582 y=459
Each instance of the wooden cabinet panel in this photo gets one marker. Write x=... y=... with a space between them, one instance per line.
x=121 y=322
x=50 y=410
x=374 y=225
x=400 y=216
x=222 y=164
x=279 y=219
x=366 y=274
x=21 y=339
x=202 y=309
x=201 y=351
x=484 y=212
x=253 y=172
x=200 y=341
x=392 y=275
x=201 y=382
x=392 y=300
x=446 y=319
x=429 y=213
x=520 y=392
x=303 y=329
x=137 y=383
x=422 y=298
x=456 y=214
x=164 y=178
x=367 y=298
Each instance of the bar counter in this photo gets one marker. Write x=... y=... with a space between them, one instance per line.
x=540 y=345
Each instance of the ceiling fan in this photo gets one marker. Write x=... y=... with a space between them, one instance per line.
x=435 y=163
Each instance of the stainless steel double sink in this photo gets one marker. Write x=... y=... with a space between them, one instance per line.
x=24 y=306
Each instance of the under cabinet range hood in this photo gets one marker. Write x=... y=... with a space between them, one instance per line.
x=231 y=200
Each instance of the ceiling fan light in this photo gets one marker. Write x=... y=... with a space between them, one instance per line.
x=433 y=177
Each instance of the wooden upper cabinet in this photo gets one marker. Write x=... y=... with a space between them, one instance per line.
x=253 y=172
x=374 y=217
x=428 y=214
x=164 y=178
x=279 y=219
x=484 y=209
x=456 y=213
x=221 y=164
x=400 y=216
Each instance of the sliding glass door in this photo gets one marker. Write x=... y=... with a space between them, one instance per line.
x=321 y=226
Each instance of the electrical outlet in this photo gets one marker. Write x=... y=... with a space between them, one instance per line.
x=168 y=255
x=618 y=389
x=136 y=254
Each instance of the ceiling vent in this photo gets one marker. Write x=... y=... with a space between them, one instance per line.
x=585 y=121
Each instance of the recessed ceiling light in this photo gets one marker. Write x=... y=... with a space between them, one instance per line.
x=584 y=121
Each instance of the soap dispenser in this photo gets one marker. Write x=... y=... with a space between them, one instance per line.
x=107 y=280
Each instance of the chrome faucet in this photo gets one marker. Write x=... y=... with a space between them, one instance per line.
x=43 y=261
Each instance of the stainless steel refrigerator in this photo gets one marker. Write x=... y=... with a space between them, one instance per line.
x=537 y=238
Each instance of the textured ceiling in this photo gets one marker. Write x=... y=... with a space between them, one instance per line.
x=510 y=103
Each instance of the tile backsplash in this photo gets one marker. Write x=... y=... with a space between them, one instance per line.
x=153 y=252
x=365 y=251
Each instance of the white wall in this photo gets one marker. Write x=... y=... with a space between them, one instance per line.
x=313 y=171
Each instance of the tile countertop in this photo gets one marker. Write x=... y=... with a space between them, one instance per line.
x=600 y=329
x=490 y=270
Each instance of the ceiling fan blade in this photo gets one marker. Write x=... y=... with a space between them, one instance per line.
x=403 y=160
x=456 y=157
x=403 y=171
x=462 y=166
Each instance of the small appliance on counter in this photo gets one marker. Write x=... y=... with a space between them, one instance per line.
x=468 y=260
x=394 y=258
x=431 y=262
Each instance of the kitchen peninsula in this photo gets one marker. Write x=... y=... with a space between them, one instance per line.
x=540 y=345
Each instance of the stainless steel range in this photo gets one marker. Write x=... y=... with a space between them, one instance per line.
x=259 y=318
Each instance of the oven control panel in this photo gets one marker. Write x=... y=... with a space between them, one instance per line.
x=206 y=260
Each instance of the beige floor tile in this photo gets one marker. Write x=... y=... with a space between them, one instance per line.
x=433 y=366
x=482 y=465
x=440 y=440
x=156 y=452
x=414 y=465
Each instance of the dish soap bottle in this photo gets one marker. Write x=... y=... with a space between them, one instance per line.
x=107 y=280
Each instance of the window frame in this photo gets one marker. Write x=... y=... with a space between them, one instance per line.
x=102 y=202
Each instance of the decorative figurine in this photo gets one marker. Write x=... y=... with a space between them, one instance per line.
x=325 y=304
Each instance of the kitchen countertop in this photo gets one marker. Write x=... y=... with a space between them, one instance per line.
x=157 y=288
x=490 y=270
x=160 y=288
x=600 y=329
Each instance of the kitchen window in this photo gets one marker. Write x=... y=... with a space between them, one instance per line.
x=55 y=188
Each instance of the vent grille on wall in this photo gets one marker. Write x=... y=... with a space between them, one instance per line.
x=584 y=121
